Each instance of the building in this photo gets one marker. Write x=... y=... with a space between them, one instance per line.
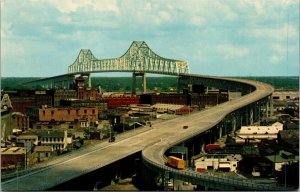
x=75 y=103
x=257 y=133
x=172 y=109
x=12 y=157
x=285 y=95
x=56 y=126
x=208 y=99
x=84 y=116
x=63 y=94
x=193 y=99
x=163 y=98
x=7 y=122
x=84 y=93
x=21 y=121
x=221 y=162
x=57 y=140
x=27 y=137
x=282 y=158
x=118 y=101
x=23 y=99
x=42 y=153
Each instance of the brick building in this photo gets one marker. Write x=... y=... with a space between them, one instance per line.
x=24 y=99
x=100 y=104
x=63 y=94
x=22 y=121
x=84 y=93
x=200 y=100
x=85 y=116
x=11 y=157
x=114 y=102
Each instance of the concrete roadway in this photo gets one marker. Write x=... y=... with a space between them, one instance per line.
x=83 y=161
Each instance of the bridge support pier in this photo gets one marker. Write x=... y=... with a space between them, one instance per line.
x=89 y=80
x=133 y=85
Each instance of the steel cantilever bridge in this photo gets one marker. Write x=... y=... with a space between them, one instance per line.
x=138 y=58
x=154 y=143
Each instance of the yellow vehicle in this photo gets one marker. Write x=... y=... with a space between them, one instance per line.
x=175 y=162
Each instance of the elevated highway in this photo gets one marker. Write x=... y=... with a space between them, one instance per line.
x=153 y=144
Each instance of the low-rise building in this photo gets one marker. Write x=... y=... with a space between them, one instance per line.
x=222 y=162
x=172 y=109
x=257 y=133
x=27 y=137
x=282 y=158
x=58 y=140
x=85 y=116
x=42 y=153
x=285 y=95
x=56 y=126
x=12 y=157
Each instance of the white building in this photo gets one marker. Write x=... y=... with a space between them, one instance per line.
x=258 y=133
x=225 y=162
x=58 y=140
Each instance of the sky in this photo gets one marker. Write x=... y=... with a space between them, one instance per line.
x=41 y=38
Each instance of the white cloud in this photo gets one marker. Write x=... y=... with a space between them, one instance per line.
x=105 y=5
x=64 y=19
x=278 y=33
x=68 y=6
x=257 y=5
x=276 y=59
x=225 y=10
x=279 y=48
x=198 y=21
x=162 y=17
x=232 y=52
x=6 y=29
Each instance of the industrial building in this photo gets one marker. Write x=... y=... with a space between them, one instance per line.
x=85 y=116
x=222 y=162
x=257 y=133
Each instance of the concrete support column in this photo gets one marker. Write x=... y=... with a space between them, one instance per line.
x=89 y=80
x=267 y=109
x=233 y=121
x=271 y=105
x=133 y=85
x=144 y=83
x=178 y=85
x=251 y=116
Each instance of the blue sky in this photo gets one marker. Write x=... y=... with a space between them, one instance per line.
x=41 y=38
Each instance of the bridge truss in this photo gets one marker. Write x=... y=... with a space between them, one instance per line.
x=138 y=58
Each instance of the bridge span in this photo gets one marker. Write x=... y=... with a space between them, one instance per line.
x=139 y=59
x=155 y=142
